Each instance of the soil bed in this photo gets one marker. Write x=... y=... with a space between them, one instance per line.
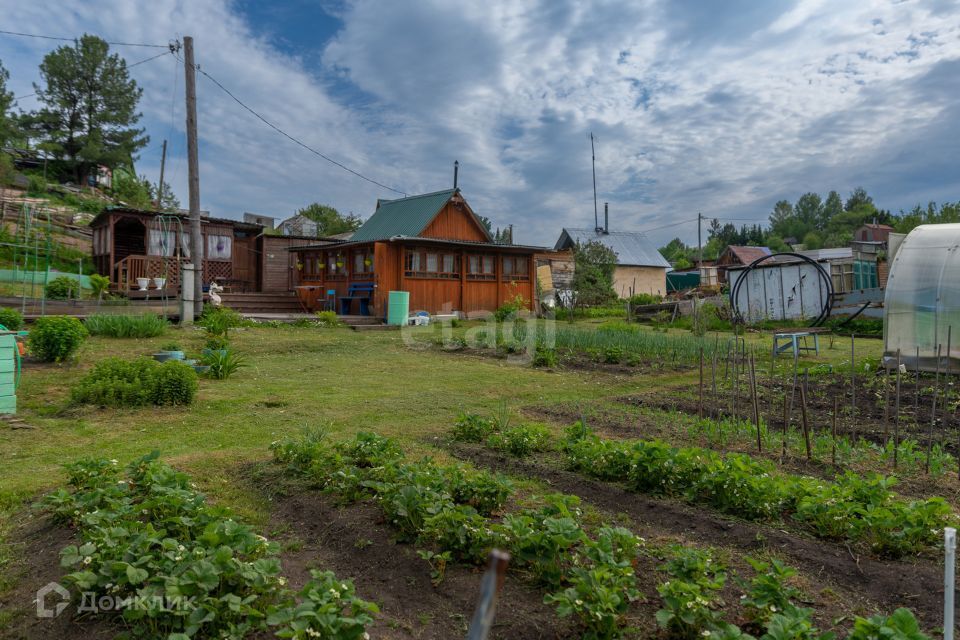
x=883 y=585
x=355 y=543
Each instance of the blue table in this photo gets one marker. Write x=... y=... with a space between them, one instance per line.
x=795 y=342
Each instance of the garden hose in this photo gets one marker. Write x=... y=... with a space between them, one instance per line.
x=821 y=273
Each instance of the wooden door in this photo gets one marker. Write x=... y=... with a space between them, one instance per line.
x=245 y=261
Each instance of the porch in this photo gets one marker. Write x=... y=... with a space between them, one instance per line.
x=127 y=274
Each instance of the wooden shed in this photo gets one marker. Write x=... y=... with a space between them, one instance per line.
x=432 y=246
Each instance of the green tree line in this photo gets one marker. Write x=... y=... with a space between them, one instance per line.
x=812 y=221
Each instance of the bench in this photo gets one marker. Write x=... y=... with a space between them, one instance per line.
x=361 y=291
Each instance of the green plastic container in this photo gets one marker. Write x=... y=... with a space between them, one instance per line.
x=398 y=308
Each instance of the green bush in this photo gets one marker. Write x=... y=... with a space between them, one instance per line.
x=219 y=320
x=328 y=319
x=521 y=440
x=36 y=186
x=173 y=383
x=99 y=285
x=56 y=338
x=146 y=325
x=11 y=318
x=470 y=427
x=63 y=288
x=545 y=357
x=115 y=382
x=640 y=299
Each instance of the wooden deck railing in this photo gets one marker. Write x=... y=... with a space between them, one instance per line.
x=127 y=270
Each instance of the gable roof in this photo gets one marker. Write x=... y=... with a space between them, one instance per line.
x=632 y=247
x=406 y=216
x=879 y=227
x=746 y=255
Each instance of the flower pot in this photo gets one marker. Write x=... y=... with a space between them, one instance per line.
x=201 y=368
x=143 y=283
x=174 y=355
x=160 y=282
x=210 y=352
x=163 y=356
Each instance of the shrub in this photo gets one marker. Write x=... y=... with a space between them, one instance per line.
x=223 y=363
x=328 y=319
x=521 y=440
x=63 y=288
x=173 y=383
x=110 y=325
x=639 y=299
x=114 y=382
x=509 y=309
x=36 y=186
x=56 y=338
x=470 y=427
x=219 y=320
x=11 y=318
x=545 y=357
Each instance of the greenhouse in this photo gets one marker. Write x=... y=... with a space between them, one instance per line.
x=922 y=302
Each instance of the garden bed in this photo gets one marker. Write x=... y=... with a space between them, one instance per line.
x=868 y=583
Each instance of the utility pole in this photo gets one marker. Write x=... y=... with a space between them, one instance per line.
x=193 y=167
x=593 y=160
x=699 y=243
x=163 y=162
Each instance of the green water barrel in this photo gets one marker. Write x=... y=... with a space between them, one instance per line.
x=398 y=307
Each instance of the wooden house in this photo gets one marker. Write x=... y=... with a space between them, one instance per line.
x=738 y=256
x=640 y=267
x=129 y=244
x=432 y=246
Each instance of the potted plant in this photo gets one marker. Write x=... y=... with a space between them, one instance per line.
x=159 y=282
x=170 y=351
x=143 y=283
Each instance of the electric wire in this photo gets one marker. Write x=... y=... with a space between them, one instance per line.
x=118 y=44
x=290 y=137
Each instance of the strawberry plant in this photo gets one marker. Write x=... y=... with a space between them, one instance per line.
x=768 y=593
x=900 y=625
x=521 y=440
x=470 y=427
x=329 y=608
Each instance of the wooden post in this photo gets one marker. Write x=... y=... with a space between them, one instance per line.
x=946 y=391
x=806 y=427
x=756 y=408
x=933 y=410
x=713 y=386
x=916 y=388
x=836 y=408
x=886 y=405
x=700 y=406
x=786 y=419
x=853 y=387
x=193 y=169
x=896 y=417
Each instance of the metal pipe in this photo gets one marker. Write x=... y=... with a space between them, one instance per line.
x=949 y=562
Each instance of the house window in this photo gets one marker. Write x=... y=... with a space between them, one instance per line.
x=336 y=267
x=419 y=263
x=481 y=268
x=219 y=247
x=362 y=263
x=515 y=268
x=161 y=243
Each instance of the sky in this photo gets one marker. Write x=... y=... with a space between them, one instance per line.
x=722 y=108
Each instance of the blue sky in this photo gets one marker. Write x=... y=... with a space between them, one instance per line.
x=697 y=105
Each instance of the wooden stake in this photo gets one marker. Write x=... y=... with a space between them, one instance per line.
x=786 y=419
x=713 y=387
x=916 y=388
x=836 y=408
x=946 y=389
x=700 y=406
x=806 y=428
x=933 y=411
x=756 y=407
x=853 y=386
x=896 y=417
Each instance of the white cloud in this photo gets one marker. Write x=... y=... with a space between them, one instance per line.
x=721 y=114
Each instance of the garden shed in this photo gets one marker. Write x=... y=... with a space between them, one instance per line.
x=922 y=301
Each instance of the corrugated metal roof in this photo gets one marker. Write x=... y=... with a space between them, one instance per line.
x=632 y=247
x=402 y=217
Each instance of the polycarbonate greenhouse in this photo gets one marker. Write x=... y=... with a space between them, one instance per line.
x=922 y=303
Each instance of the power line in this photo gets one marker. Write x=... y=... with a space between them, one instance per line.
x=117 y=44
x=291 y=138
x=129 y=66
x=667 y=226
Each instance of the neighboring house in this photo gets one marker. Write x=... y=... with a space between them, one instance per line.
x=266 y=222
x=873 y=233
x=130 y=244
x=640 y=267
x=555 y=275
x=736 y=256
x=298 y=225
x=432 y=246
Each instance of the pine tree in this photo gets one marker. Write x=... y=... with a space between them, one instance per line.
x=90 y=107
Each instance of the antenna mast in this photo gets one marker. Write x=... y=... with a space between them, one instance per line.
x=593 y=159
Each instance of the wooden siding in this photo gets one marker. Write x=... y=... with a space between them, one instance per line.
x=278 y=265
x=434 y=295
x=454 y=222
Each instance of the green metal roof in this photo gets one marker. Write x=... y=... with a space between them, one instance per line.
x=402 y=217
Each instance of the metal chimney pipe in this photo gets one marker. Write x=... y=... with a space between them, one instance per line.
x=606 y=217
x=456 y=170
